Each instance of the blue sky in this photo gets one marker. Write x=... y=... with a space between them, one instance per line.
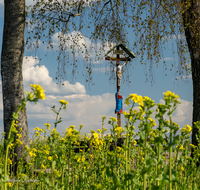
x=87 y=104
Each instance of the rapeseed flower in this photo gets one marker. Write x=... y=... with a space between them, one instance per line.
x=186 y=129
x=38 y=91
x=63 y=102
x=18 y=142
x=47 y=125
x=38 y=129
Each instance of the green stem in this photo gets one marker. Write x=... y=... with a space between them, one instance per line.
x=62 y=177
x=145 y=175
x=126 y=168
x=7 y=148
x=170 y=157
x=159 y=150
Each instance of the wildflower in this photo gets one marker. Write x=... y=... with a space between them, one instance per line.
x=63 y=102
x=81 y=159
x=69 y=132
x=19 y=136
x=10 y=184
x=56 y=172
x=9 y=161
x=92 y=131
x=37 y=134
x=42 y=166
x=182 y=168
x=186 y=129
x=99 y=130
x=11 y=145
x=47 y=125
x=80 y=126
x=119 y=149
x=38 y=91
x=135 y=143
x=113 y=119
x=19 y=142
x=32 y=154
x=90 y=155
x=50 y=158
x=38 y=129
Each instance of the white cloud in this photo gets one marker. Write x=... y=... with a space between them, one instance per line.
x=183 y=113
x=184 y=77
x=82 y=109
x=35 y=74
x=168 y=59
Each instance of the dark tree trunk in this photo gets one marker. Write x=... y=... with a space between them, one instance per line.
x=11 y=68
x=192 y=32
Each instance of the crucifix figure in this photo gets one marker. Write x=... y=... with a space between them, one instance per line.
x=119 y=71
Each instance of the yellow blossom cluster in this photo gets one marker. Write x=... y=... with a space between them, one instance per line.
x=169 y=94
x=63 y=102
x=38 y=91
x=135 y=98
x=186 y=129
x=38 y=129
x=47 y=125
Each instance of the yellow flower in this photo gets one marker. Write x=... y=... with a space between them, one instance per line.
x=38 y=91
x=72 y=127
x=113 y=119
x=119 y=149
x=90 y=155
x=92 y=131
x=32 y=154
x=19 y=136
x=38 y=129
x=135 y=143
x=10 y=184
x=43 y=167
x=181 y=148
x=50 y=158
x=69 y=132
x=11 y=145
x=9 y=161
x=182 y=168
x=19 y=142
x=56 y=172
x=63 y=102
x=47 y=125
x=99 y=130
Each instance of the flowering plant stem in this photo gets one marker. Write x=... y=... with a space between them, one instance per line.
x=127 y=146
x=170 y=157
x=9 y=141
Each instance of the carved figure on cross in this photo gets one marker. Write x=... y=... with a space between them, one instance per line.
x=119 y=71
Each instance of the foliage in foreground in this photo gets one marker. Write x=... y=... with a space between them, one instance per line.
x=136 y=165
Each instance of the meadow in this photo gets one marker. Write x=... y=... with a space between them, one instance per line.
x=158 y=157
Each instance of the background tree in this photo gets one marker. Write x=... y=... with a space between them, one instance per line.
x=11 y=69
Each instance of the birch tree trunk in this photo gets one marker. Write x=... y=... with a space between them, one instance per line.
x=191 y=18
x=11 y=68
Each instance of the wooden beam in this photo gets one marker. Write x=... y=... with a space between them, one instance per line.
x=117 y=59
